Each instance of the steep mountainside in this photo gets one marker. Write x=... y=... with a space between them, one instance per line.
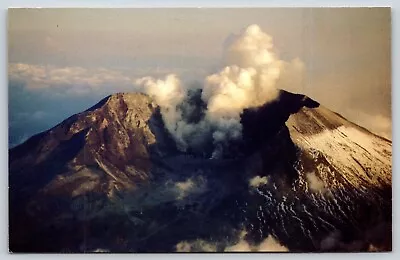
x=111 y=179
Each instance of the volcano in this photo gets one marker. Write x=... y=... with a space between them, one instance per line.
x=111 y=179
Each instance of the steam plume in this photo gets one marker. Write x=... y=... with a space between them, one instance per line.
x=250 y=78
x=168 y=94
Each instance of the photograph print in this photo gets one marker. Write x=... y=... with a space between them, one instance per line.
x=155 y=130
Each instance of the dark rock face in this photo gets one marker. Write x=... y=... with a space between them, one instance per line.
x=111 y=179
x=262 y=123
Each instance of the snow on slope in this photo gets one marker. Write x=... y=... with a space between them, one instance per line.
x=362 y=158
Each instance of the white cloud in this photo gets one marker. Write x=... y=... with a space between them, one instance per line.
x=314 y=182
x=270 y=244
x=198 y=245
x=258 y=181
x=241 y=246
x=47 y=76
x=192 y=185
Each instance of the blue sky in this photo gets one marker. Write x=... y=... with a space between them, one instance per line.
x=62 y=61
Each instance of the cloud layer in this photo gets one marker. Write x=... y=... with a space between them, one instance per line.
x=40 y=76
x=269 y=244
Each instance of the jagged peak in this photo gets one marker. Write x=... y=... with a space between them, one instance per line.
x=130 y=98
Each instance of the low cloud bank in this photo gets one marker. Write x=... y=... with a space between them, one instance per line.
x=269 y=244
x=78 y=78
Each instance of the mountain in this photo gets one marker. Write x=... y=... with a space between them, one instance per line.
x=111 y=179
